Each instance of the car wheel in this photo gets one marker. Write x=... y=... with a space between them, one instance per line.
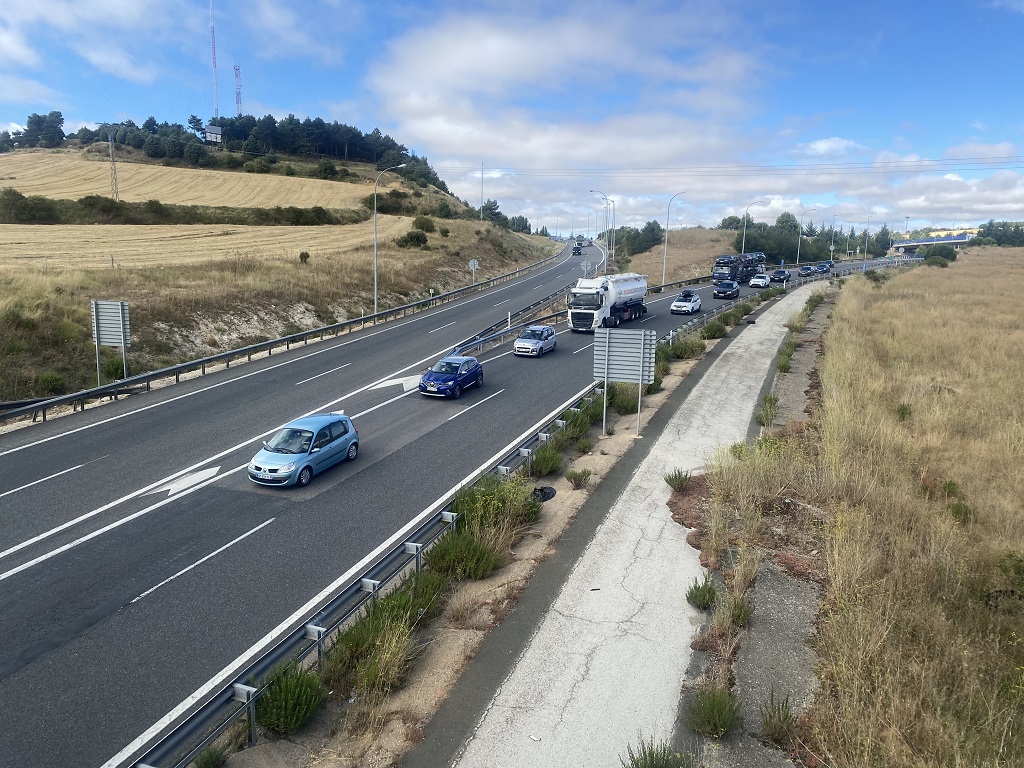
x=553 y=345
x=480 y=381
x=457 y=392
x=353 y=451
x=305 y=475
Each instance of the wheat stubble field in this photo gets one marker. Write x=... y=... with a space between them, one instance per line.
x=72 y=174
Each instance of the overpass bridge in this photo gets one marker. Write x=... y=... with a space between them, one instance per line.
x=958 y=241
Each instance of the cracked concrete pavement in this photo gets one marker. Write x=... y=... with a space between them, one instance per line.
x=607 y=659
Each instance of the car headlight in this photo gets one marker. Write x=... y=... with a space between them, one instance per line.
x=287 y=467
x=252 y=464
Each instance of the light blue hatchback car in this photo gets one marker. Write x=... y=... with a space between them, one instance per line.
x=304 y=447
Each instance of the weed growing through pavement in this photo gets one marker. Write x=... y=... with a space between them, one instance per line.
x=714 y=711
x=651 y=754
x=777 y=720
x=702 y=594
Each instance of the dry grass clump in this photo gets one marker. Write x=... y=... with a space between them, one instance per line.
x=920 y=637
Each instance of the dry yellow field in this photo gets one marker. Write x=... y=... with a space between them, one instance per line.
x=72 y=174
x=691 y=253
x=92 y=246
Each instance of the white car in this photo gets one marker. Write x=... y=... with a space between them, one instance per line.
x=535 y=340
x=760 y=281
x=686 y=303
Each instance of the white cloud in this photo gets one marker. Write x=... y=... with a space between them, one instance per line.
x=12 y=127
x=830 y=147
x=1010 y=5
x=15 y=89
x=15 y=49
x=279 y=32
x=112 y=60
x=978 y=150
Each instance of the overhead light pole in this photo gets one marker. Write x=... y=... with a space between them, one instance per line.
x=906 y=231
x=607 y=236
x=743 y=247
x=664 y=260
x=800 y=234
x=612 y=251
x=832 y=241
x=867 y=228
x=392 y=168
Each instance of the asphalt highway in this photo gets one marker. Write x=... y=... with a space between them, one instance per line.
x=137 y=560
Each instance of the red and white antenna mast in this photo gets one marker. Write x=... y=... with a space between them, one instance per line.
x=213 y=52
x=238 y=90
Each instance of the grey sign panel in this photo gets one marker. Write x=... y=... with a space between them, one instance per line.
x=110 y=325
x=626 y=356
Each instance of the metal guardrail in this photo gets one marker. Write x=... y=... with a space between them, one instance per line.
x=183 y=741
x=143 y=381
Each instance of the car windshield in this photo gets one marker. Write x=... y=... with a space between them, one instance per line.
x=530 y=333
x=445 y=366
x=585 y=300
x=290 y=440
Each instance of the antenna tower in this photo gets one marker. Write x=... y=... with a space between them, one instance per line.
x=213 y=52
x=238 y=90
x=113 y=167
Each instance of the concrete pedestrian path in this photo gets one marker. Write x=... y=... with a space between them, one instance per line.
x=574 y=680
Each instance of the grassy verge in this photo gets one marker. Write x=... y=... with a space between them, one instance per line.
x=921 y=659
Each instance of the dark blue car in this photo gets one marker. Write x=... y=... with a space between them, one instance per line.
x=452 y=375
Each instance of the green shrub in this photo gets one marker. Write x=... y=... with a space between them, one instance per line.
x=412 y=238
x=713 y=712
x=578 y=478
x=211 y=757
x=687 y=347
x=702 y=594
x=496 y=502
x=903 y=411
x=729 y=318
x=777 y=720
x=785 y=363
x=961 y=511
x=740 y=611
x=656 y=755
x=424 y=223
x=714 y=330
x=662 y=368
x=743 y=309
x=678 y=479
x=546 y=460
x=460 y=555
x=290 y=699
x=814 y=301
x=584 y=445
x=113 y=369
x=623 y=398
x=444 y=231
x=655 y=385
x=303 y=256
x=51 y=383
x=768 y=411
x=936 y=261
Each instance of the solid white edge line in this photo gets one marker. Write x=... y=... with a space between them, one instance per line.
x=474 y=405
x=215 y=552
x=261 y=646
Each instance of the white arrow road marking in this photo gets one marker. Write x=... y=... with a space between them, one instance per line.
x=185 y=481
x=203 y=560
x=407 y=382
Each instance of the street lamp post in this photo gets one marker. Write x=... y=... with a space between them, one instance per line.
x=800 y=234
x=607 y=236
x=743 y=247
x=832 y=241
x=906 y=232
x=664 y=260
x=867 y=228
x=392 y=168
x=612 y=252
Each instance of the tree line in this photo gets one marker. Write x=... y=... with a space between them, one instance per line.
x=778 y=241
x=993 y=232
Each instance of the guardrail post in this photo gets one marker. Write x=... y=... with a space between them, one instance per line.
x=246 y=694
x=370 y=585
x=413 y=548
x=528 y=453
x=314 y=632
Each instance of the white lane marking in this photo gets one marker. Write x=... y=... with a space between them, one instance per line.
x=386 y=402
x=648 y=317
x=346 y=365
x=197 y=465
x=42 y=480
x=216 y=552
x=186 y=481
x=582 y=348
x=261 y=645
x=407 y=383
x=474 y=405
x=426 y=316
x=449 y=325
x=506 y=301
x=112 y=526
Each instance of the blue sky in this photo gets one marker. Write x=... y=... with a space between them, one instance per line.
x=867 y=112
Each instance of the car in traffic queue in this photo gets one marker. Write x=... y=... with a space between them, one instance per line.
x=304 y=447
x=535 y=340
x=686 y=303
x=727 y=289
x=805 y=271
x=780 y=276
x=760 y=280
x=823 y=269
x=451 y=376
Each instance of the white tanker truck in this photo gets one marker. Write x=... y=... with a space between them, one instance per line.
x=606 y=301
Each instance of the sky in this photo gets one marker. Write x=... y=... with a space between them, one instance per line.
x=864 y=113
